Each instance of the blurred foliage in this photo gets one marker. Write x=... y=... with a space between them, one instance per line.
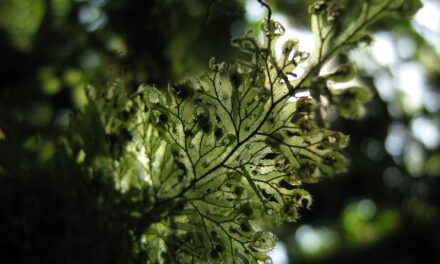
x=394 y=153
x=51 y=49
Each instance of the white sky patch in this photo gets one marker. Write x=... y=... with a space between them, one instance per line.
x=364 y=59
x=279 y=254
x=308 y=239
x=305 y=37
x=432 y=101
x=426 y=131
x=432 y=38
x=406 y=47
x=344 y=85
x=396 y=139
x=383 y=49
x=313 y=240
x=298 y=71
x=306 y=42
x=385 y=86
x=429 y=15
x=411 y=81
x=254 y=11
x=427 y=22
x=298 y=95
x=329 y=67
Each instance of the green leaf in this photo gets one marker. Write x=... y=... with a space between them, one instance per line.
x=349 y=101
x=222 y=151
x=343 y=73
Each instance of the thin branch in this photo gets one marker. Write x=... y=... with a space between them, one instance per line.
x=269 y=10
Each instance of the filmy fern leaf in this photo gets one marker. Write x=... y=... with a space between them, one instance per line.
x=224 y=155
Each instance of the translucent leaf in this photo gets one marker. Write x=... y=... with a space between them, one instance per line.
x=224 y=155
x=343 y=73
x=349 y=101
